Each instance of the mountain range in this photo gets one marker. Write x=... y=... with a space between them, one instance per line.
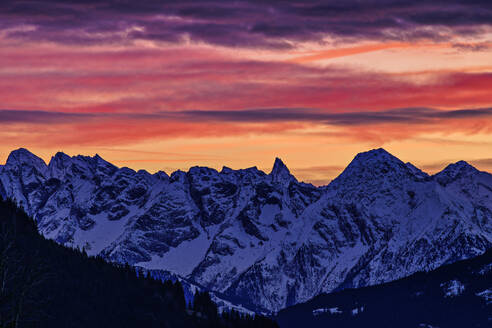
x=263 y=240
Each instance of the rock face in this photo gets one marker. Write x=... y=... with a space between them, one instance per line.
x=265 y=240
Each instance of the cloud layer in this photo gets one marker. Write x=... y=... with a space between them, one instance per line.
x=267 y=24
x=259 y=116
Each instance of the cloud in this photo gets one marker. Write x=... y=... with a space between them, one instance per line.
x=294 y=128
x=260 y=116
x=481 y=46
x=40 y=117
x=400 y=115
x=178 y=78
x=251 y=23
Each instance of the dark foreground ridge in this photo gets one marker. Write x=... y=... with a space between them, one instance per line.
x=455 y=295
x=43 y=284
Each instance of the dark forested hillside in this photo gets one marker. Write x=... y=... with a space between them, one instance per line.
x=455 y=295
x=43 y=284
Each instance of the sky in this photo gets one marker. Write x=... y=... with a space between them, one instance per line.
x=166 y=85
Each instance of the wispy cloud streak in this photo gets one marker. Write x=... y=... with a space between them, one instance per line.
x=400 y=115
x=261 y=116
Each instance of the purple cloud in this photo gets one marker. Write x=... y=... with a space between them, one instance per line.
x=400 y=115
x=267 y=24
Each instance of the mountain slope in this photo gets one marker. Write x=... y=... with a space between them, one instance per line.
x=47 y=285
x=455 y=295
x=265 y=240
x=380 y=220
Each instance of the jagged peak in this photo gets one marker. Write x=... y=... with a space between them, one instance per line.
x=95 y=160
x=24 y=156
x=178 y=176
x=375 y=155
x=161 y=175
x=247 y=173
x=143 y=173
x=463 y=165
x=126 y=170
x=279 y=166
x=102 y=161
x=251 y=170
x=20 y=153
x=373 y=159
x=372 y=165
x=89 y=164
x=454 y=170
x=202 y=170
x=459 y=166
x=61 y=154
x=226 y=170
x=280 y=172
x=60 y=157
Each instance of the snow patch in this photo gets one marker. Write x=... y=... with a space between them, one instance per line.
x=452 y=288
x=487 y=295
x=226 y=306
x=182 y=259
x=486 y=269
x=357 y=310
x=333 y=310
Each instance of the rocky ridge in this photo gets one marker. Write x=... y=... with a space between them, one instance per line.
x=266 y=240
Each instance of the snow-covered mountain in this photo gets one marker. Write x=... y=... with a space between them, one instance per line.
x=265 y=240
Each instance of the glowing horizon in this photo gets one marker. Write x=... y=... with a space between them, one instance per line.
x=169 y=86
x=332 y=171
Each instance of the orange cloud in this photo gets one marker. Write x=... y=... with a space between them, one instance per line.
x=349 y=51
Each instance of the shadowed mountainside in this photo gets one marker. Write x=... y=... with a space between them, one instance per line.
x=43 y=284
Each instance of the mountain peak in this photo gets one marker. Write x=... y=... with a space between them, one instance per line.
x=226 y=170
x=59 y=164
x=463 y=165
x=96 y=160
x=280 y=172
x=378 y=154
x=24 y=156
x=453 y=171
x=458 y=167
x=372 y=165
x=376 y=158
x=59 y=157
x=21 y=153
x=162 y=175
x=103 y=165
x=278 y=165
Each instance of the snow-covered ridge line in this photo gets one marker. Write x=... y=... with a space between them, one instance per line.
x=265 y=240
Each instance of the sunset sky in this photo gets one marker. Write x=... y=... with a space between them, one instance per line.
x=237 y=83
